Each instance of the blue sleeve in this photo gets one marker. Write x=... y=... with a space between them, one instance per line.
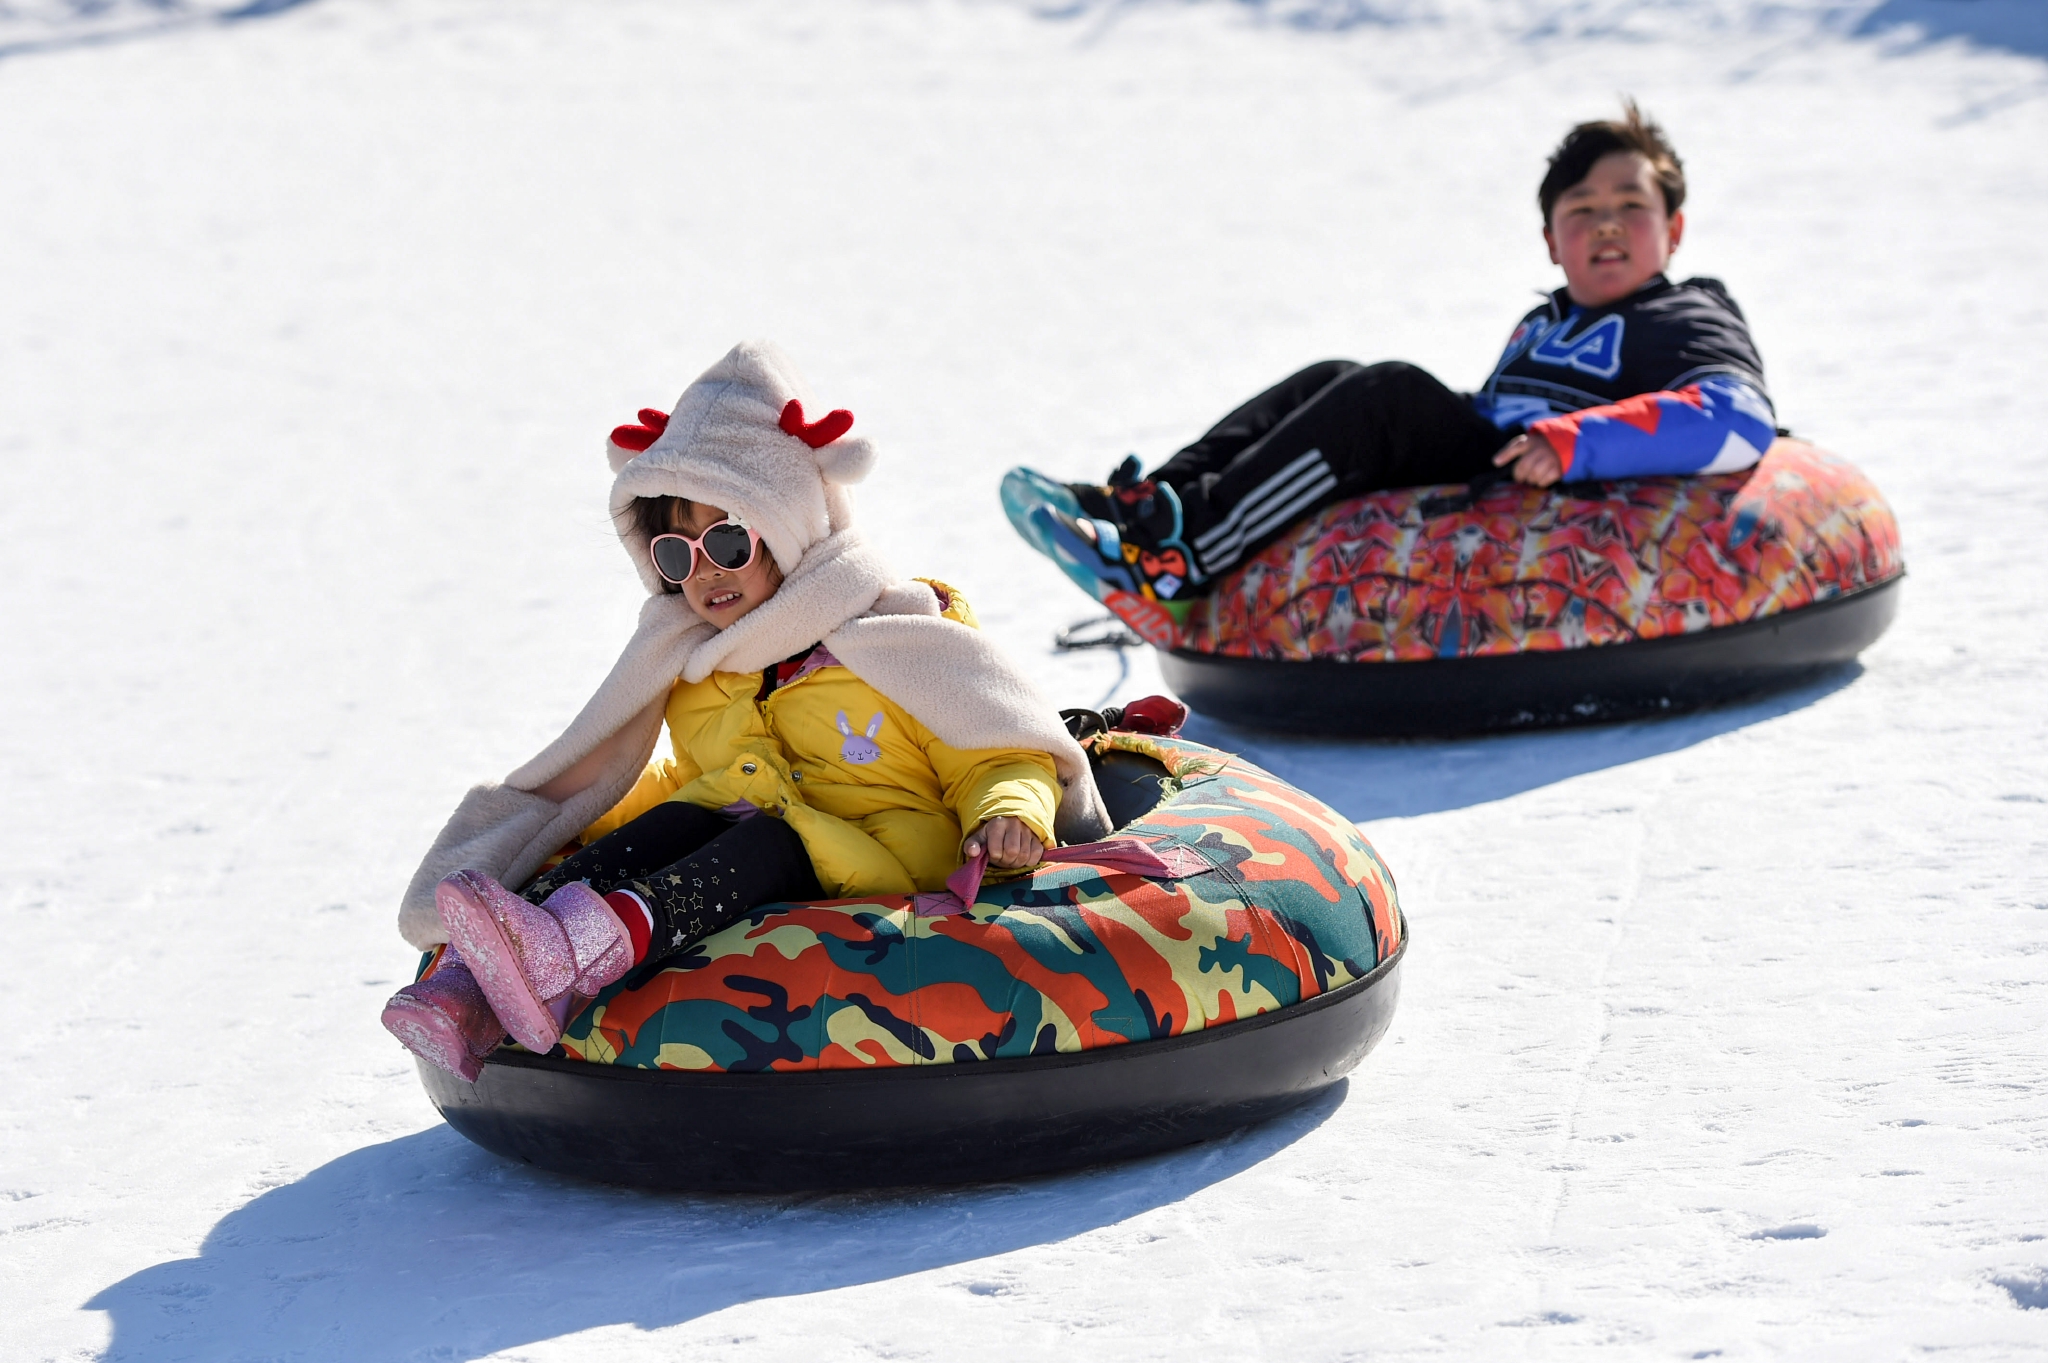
x=1718 y=425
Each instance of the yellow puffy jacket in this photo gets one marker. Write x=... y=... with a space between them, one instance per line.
x=880 y=803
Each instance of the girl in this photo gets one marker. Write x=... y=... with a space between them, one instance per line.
x=836 y=732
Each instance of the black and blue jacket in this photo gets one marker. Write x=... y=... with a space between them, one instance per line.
x=1665 y=381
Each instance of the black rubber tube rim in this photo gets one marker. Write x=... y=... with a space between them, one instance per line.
x=1538 y=688
x=945 y=1108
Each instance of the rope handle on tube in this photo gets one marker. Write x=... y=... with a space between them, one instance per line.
x=1128 y=856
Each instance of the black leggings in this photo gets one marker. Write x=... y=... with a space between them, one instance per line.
x=697 y=869
x=1335 y=430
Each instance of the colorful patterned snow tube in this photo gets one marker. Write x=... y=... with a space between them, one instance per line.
x=1454 y=609
x=1069 y=1016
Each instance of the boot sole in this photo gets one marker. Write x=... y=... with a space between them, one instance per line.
x=432 y=1036
x=494 y=962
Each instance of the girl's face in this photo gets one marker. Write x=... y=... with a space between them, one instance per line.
x=722 y=595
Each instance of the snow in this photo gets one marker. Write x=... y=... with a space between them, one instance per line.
x=1720 y=1035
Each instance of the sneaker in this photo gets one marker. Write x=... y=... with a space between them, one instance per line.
x=1121 y=536
x=1147 y=521
x=1096 y=499
x=1126 y=554
x=538 y=964
x=1091 y=547
x=444 y=1018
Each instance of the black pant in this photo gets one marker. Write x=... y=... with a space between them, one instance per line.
x=697 y=869
x=1335 y=430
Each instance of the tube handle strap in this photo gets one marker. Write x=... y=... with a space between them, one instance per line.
x=1127 y=856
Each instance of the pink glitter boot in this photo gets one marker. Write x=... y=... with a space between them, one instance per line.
x=535 y=963
x=446 y=1019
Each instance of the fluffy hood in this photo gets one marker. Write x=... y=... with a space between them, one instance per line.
x=746 y=437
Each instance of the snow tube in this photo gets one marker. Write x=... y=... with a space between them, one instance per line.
x=1067 y=1017
x=1457 y=609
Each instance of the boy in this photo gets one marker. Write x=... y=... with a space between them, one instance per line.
x=1619 y=374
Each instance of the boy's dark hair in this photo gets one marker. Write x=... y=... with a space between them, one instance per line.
x=1582 y=146
x=659 y=516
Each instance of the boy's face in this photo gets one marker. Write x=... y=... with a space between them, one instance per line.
x=1610 y=231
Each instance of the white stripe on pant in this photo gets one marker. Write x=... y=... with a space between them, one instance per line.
x=1273 y=503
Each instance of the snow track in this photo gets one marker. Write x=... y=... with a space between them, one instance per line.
x=1721 y=1036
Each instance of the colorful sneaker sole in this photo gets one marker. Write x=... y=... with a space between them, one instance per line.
x=1080 y=560
x=1024 y=491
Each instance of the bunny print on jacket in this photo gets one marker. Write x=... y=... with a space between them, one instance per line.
x=860 y=749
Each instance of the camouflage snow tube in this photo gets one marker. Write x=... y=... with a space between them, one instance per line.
x=1069 y=1017
x=1465 y=609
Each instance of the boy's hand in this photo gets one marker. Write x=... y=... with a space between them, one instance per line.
x=1536 y=463
x=1010 y=843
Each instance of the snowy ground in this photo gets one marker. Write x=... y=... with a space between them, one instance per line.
x=1722 y=1037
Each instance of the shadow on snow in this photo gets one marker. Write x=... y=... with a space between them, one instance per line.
x=1376 y=779
x=428 y=1246
x=2015 y=25
x=95 y=23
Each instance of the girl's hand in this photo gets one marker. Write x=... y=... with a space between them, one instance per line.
x=1010 y=843
x=1536 y=463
